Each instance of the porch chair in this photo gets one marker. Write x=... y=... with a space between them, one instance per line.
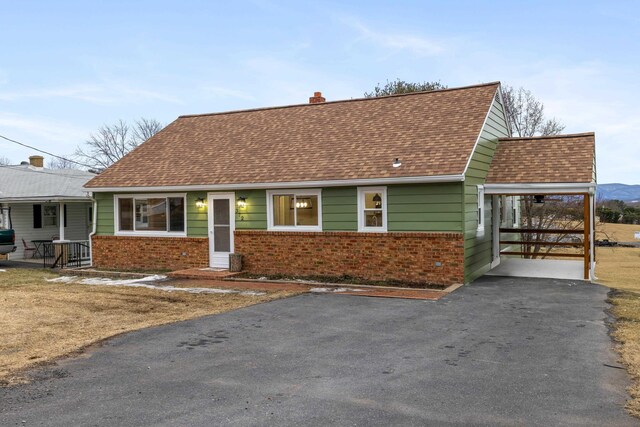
x=26 y=249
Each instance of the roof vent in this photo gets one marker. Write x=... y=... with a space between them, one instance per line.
x=24 y=163
x=317 y=98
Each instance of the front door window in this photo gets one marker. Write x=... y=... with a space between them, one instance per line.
x=221 y=226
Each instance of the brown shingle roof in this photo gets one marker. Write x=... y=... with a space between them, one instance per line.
x=561 y=158
x=433 y=133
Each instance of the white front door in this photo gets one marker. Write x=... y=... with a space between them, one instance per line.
x=221 y=226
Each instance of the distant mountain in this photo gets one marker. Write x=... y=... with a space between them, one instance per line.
x=624 y=192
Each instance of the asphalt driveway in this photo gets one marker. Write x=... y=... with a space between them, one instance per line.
x=502 y=351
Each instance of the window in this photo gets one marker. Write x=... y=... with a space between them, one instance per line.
x=294 y=210
x=151 y=214
x=372 y=209
x=481 y=212
x=50 y=216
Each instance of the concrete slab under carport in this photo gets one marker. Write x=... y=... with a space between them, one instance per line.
x=538 y=268
x=500 y=351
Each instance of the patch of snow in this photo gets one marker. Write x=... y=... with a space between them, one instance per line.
x=63 y=279
x=145 y=282
x=336 y=290
x=116 y=282
x=2 y=271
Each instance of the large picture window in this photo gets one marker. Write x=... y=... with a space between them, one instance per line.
x=151 y=214
x=297 y=210
x=372 y=209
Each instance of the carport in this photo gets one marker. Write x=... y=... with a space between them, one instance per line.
x=538 y=168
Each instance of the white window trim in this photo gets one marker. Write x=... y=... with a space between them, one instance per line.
x=293 y=192
x=480 y=211
x=116 y=219
x=361 y=223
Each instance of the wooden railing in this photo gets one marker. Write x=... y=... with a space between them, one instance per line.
x=584 y=244
x=542 y=243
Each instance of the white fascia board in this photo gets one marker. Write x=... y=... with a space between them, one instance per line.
x=504 y=110
x=540 y=188
x=475 y=145
x=297 y=184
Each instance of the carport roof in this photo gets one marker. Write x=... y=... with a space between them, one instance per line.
x=567 y=159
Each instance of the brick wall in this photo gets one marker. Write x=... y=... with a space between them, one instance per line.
x=409 y=257
x=150 y=253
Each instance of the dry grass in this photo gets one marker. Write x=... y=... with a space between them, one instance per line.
x=42 y=321
x=617 y=232
x=626 y=309
x=619 y=268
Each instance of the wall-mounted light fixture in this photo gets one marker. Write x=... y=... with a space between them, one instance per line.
x=200 y=203
x=397 y=163
x=538 y=199
x=242 y=202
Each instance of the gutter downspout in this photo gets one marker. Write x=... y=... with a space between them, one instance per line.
x=94 y=214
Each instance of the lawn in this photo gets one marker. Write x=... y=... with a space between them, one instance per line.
x=619 y=268
x=41 y=321
x=617 y=232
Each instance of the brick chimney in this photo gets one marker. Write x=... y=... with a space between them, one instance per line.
x=317 y=98
x=36 y=161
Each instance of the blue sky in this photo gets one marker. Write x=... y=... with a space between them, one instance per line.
x=67 y=68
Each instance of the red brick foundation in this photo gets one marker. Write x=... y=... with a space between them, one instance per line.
x=150 y=253
x=409 y=257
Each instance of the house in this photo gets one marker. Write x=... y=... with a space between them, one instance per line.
x=379 y=188
x=46 y=205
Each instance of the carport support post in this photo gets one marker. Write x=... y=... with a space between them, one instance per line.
x=587 y=233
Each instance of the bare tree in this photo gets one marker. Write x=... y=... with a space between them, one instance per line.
x=400 y=86
x=526 y=114
x=145 y=129
x=4 y=161
x=61 y=163
x=112 y=142
x=558 y=213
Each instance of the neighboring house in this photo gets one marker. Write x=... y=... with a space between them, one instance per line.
x=46 y=204
x=378 y=188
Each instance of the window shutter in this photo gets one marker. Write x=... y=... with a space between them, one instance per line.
x=37 y=216
x=65 y=215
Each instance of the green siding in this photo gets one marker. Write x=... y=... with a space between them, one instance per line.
x=197 y=220
x=424 y=207
x=254 y=215
x=416 y=207
x=340 y=209
x=478 y=249
x=104 y=213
